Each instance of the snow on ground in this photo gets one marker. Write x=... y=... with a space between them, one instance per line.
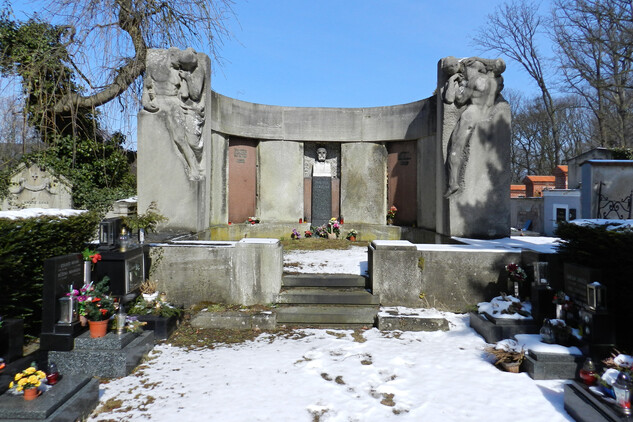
x=410 y=376
x=334 y=375
x=329 y=261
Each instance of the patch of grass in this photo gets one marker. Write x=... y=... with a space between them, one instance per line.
x=358 y=337
x=109 y=406
x=319 y=244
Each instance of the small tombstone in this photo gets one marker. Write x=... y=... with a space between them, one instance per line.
x=61 y=274
x=32 y=187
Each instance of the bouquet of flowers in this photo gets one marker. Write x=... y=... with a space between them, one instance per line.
x=29 y=378
x=307 y=234
x=333 y=226
x=90 y=255
x=295 y=234
x=95 y=303
x=516 y=273
x=351 y=233
x=391 y=212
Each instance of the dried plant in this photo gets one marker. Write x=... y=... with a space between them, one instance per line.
x=148 y=287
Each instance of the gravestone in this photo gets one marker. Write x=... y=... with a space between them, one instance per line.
x=32 y=187
x=321 y=200
x=577 y=277
x=61 y=274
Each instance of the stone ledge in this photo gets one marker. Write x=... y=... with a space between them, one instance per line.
x=493 y=332
x=549 y=366
x=235 y=320
x=73 y=398
x=585 y=406
x=411 y=323
x=105 y=363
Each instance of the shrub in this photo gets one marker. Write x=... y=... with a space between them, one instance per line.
x=24 y=246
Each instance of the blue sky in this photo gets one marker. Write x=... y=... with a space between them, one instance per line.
x=352 y=53
x=338 y=53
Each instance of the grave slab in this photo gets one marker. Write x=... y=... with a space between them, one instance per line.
x=234 y=320
x=72 y=398
x=100 y=357
x=496 y=329
x=584 y=406
x=411 y=323
x=163 y=327
x=548 y=366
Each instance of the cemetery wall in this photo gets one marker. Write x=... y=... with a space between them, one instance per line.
x=446 y=277
x=247 y=272
x=524 y=209
x=612 y=180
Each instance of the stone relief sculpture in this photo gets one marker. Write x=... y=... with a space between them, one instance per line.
x=174 y=86
x=473 y=86
x=321 y=165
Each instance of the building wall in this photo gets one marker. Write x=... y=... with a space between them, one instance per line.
x=560 y=205
x=613 y=179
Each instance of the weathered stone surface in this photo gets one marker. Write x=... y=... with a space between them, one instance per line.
x=169 y=173
x=411 y=323
x=234 y=320
x=363 y=189
x=394 y=273
x=280 y=181
x=72 y=398
x=32 y=187
x=374 y=124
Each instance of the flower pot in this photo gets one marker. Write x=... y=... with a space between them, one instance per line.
x=31 y=393
x=390 y=221
x=331 y=235
x=352 y=238
x=511 y=367
x=98 y=328
x=83 y=320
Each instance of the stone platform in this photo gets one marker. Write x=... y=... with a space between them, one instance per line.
x=72 y=398
x=549 y=366
x=393 y=318
x=111 y=356
x=234 y=320
x=584 y=406
x=496 y=329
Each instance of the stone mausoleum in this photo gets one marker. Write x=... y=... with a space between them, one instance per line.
x=209 y=161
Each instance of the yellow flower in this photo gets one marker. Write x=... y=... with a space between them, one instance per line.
x=34 y=379
x=40 y=374
x=19 y=388
x=18 y=376
x=11 y=384
x=30 y=370
x=22 y=382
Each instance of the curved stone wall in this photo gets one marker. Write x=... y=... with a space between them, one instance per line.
x=320 y=124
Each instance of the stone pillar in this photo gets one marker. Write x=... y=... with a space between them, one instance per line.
x=257 y=271
x=395 y=275
x=174 y=157
x=280 y=196
x=219 y=212
x=363 y=183
x=473 y=154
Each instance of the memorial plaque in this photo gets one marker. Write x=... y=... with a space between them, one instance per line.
x=576 y=279
x=60 y=275
x=321 y=200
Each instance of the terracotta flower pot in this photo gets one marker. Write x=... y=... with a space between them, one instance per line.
x=352 y=238
x=31 y=393
x=98 y=328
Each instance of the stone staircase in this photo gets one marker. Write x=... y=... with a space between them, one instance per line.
x=326 y=300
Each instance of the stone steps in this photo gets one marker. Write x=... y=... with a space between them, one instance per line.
x=326 y=300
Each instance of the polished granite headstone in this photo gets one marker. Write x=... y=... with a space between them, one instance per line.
x=549 y=366
x=496 y=329
x=60 y=275
x=321 y=200
x=162 y=327
x=585 y=406
x=11 y=339
x=111 y=356
x=72 y=398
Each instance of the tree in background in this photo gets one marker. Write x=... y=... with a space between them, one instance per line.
x=94 y=56
x=595 y=51
x=513 y=30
